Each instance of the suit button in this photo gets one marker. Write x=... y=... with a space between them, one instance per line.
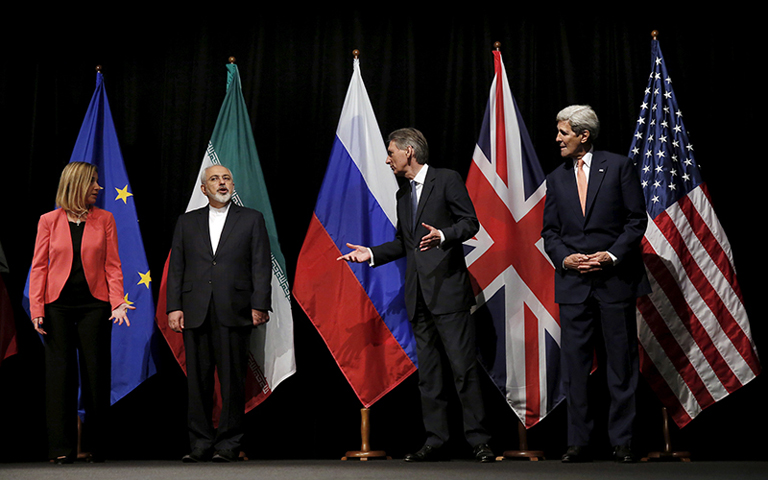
x=214 y=262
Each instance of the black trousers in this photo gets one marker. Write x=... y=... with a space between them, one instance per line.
x=77 y=335
x=579 y=323
x=454 y=334
x=215 y=348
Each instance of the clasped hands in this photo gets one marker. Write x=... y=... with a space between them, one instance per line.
x=585 y=263
x=361 y=254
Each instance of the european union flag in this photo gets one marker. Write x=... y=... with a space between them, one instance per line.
x=132 y=360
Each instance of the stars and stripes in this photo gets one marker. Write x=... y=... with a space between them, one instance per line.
x=695 y=340
x=517 y=318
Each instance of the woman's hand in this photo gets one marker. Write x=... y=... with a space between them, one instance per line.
x=38 y=325
x=120 y=314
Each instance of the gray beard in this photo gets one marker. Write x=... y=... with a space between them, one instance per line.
x=221 y=198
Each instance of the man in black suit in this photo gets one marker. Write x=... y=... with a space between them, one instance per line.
x=435 y=215
x=594 y=220
x=218 y=290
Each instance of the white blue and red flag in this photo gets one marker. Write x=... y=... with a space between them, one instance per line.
x=695 y=340
x=359 y=311
x=517 y=319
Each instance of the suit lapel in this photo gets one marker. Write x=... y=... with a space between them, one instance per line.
x=596 y=176
x=61 y=224
x=229 y=225
x=202 y=222
x=426 y=191
x=571 y=189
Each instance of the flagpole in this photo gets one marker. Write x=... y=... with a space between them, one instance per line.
x=523 y=452
x=667 y=453
x=365 y=451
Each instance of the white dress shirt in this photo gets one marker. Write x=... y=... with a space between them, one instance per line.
x=216 y=219
x=587 y=164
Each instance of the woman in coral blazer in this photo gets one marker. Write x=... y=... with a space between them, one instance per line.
x=75 y=289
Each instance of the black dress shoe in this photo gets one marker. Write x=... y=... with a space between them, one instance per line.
x=623 y=454
x=483 y=453
x=226 y=456
x=64 y=460
x=576 y=454
x=197 y=455
x=427 y=453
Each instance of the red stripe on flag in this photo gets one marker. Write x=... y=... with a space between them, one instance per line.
x=707 y=292
x=532 y=370
x=721 y=261
x=674 y=352
x=501 y=133
x=514 y=243
x=357 y=337
x=688 y=319
x=667 y=397
x=708 y=240
x=8 y=345
x=175 y=340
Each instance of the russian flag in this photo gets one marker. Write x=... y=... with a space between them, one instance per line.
x=359 y=311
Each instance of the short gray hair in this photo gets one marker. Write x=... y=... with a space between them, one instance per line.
x=581 y=118
x=406 y=137
x=203 y=178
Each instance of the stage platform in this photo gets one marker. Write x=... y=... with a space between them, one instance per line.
x=385 y=469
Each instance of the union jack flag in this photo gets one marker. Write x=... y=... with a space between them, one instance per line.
x=694 y=334
x=513 y=279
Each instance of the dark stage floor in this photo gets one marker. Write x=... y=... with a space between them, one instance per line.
x=384 y=469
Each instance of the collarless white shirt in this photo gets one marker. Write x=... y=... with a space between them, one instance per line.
x=216 y=219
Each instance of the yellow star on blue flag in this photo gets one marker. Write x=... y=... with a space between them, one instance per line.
x=123 y=194
x=145 y=279
x=127 y=302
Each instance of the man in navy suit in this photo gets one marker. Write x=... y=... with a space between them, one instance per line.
x=594 y=220
x=435 y=216
x=219 y=289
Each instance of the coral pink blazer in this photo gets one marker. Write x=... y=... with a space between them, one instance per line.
x=52 y=260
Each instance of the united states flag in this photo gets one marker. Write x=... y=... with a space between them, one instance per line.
x=695 y=341
x=516 y=315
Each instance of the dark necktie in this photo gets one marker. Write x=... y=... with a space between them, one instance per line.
x=414 y=205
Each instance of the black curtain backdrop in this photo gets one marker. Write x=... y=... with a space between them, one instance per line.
x=166 y=79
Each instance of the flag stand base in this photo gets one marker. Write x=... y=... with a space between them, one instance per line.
x=523 y=453
x=365 y=451
x=81 y=455
x=667 y=454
